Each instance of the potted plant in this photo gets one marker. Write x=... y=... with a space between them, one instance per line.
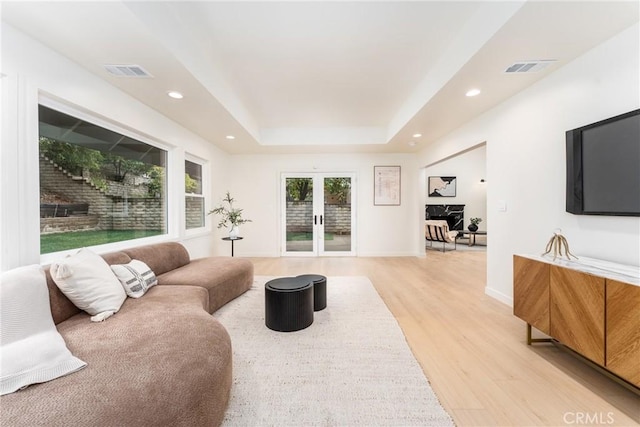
x=474 y=224
x=229 y=216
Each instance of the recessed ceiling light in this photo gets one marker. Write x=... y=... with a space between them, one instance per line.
x=417 y=135
x=412 y=143
x=473 y=92
x=230 y=137
x=175 y=95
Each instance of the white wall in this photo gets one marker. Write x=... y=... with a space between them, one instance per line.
x=526 y=160
x=32 y=70
x=469 y=168
x=381 y=230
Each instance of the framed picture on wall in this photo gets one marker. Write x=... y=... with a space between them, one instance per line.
x=442 y=186
x=386 y=185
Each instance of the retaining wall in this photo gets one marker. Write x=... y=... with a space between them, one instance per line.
x=113 y=212
x=337 y=218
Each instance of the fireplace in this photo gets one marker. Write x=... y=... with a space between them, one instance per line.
x=453 y=214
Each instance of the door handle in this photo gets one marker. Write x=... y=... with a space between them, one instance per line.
x=315 y=220
x=320 y=219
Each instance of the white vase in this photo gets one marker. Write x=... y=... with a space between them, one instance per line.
x=234 y=232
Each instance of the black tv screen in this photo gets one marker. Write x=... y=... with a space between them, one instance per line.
x=603 y=167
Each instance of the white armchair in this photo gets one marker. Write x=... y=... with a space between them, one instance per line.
x=436 y=230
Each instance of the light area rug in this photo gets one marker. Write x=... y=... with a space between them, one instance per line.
x=351 y=367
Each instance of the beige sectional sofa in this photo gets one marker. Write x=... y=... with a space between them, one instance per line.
x=162 y=360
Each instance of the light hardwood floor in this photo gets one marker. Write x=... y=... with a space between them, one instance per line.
x=472 y=348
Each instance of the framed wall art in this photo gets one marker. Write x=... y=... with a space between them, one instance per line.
x=386 y=186
x=442 y=186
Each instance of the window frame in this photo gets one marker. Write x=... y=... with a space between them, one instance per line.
x=172 y=212
x=204 y=165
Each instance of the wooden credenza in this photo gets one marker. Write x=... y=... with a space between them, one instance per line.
x=590 y=306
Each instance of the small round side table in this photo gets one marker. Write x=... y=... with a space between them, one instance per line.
x=288 y=303
x=232 y=240
x=319 y=290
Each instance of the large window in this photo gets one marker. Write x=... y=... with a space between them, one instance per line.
x=97 y=186
x=194 y=199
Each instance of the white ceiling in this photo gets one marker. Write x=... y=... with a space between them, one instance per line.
x=321 y=77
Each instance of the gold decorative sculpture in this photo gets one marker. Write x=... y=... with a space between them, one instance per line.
x=558 y=243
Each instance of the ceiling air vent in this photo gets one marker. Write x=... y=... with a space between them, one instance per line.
x=529 y=66
x=127 y=71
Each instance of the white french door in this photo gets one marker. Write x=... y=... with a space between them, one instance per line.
x=318 y=214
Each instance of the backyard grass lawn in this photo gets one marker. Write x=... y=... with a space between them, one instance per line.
x=296 y=237
x=80 y=239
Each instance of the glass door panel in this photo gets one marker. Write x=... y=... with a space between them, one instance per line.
x=299 y=216
x=337 y=214
x=318 y=216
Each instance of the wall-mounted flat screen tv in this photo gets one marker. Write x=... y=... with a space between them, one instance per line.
x=603 y=167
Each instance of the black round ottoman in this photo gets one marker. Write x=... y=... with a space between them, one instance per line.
x=319 y=290
x=288 y=304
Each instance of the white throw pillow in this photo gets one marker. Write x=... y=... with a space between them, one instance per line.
x=136 y=277
x=86 y=279
x=31 y=348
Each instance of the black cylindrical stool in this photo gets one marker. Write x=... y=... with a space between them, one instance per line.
x=288 y=304
x=319 y=290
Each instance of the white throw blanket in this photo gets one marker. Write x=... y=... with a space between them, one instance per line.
x=32 y=349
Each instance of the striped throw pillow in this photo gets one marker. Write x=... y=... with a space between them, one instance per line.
x=136 y=277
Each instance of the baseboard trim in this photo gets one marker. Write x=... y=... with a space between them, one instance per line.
x=387 y=254
x=503 y=298
x=360 y=255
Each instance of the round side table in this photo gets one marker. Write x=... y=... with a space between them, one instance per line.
x=319 y=290
x=232 y=240
x=288 y=303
